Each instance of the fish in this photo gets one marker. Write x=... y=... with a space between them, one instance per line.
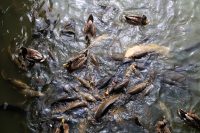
x=87 y=96
x=131 y=69
x=23 y=88
x=110 y=88
x=141 y=86
x=103 y=82
x=85 y=83
x=104 y=105
x=69 y=106
x=138 y=51
x=94 y=60
x=117 y=86
x=14 y=108
x=138 y=88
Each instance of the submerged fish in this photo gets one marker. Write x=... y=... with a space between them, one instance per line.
x=141 y=86
x=104 y=105
x=117 y=86
x=23 y=88
x=69 y=106
x=87 y=96
x=85 y=83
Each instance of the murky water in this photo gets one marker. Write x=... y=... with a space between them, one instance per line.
x=174 y=24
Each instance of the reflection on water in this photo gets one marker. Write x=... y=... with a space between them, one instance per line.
x=174 y=24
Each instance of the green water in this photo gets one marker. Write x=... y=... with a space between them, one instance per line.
x=174 y=24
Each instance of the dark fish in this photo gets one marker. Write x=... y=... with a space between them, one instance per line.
x=103 y=82
x=23 y=88
x=132 y=69
x=191 y=48
x=69 y=106
x=104 y=105
x=8 y=107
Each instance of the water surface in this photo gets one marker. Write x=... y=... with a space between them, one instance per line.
x=173 y=23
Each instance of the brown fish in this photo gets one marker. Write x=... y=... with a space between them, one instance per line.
x=117 y=86
x=94 y=60
x=161 y=127
x=22 y=87
x=87 y=96
x=69 y=106
x=141 y=50
x=131 y=69
x=141 y=86
x=136 y=20
x=104 y=105
x=110 y=88
x=85 y=83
